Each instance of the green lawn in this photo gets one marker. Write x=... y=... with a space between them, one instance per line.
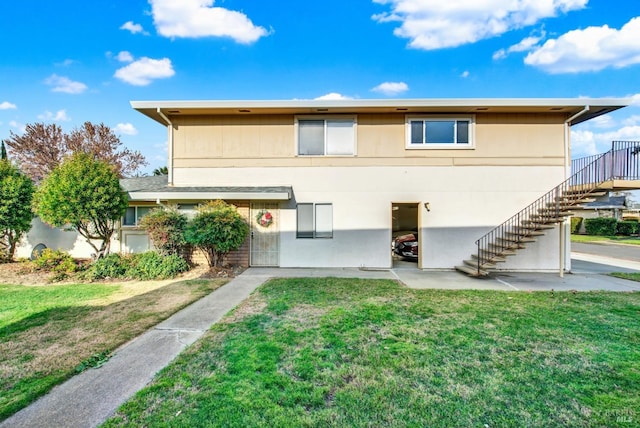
x=347 y=352
x=49 y=332
x=612 y=239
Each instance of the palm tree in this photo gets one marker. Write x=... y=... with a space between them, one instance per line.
x=163 y=170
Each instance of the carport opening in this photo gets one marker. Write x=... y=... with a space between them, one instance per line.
x=404 y=235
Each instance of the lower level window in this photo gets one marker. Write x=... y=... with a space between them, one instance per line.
x=133 y=215
x=314 y=220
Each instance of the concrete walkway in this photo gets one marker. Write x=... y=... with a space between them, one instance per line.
x=88 y=399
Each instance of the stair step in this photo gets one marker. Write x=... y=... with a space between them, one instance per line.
x=500 y=250
x=474 y=264
x=472 y=271
x=494 y=259
x=539 y=224
x=515 y=237
x=526 y=233
x=556 y=210
x=512 y=243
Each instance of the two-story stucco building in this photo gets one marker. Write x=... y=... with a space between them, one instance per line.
x=339 y=178
x=330 y=183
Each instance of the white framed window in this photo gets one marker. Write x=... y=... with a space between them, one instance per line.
x=326 y=135
x=436 y=132
x=133 y=215
x=314 y=220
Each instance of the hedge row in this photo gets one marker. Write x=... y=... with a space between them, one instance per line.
x=603 y=226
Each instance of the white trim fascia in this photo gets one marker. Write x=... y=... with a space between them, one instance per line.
x=169 y=196
x=416 y=102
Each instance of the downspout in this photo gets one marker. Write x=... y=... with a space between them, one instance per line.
x=567 y=174
x=170 y=148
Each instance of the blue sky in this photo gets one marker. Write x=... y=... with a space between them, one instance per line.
x=71 y=61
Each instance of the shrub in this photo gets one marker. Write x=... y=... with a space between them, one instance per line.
x=600 y=226
x=151 y=265
x=217 y=229
x=142 y=266
x=110 y=266
x=627 y=228
x=165 y=227
x=58 y=262
x=576 y=222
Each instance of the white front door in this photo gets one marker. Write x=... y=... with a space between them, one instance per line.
x=265 y=234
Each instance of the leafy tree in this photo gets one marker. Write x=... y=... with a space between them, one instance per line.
x=165 y=227
x=84 y=193
x=216 y=230
x=16 y=193
x=43 y=147
x=163 y=170
x=3 y=152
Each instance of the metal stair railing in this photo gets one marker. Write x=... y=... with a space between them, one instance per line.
x=621 y=163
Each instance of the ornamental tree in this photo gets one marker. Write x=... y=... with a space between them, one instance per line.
x=83 y=193
x=165 y=227
x=42 y=147
x=216 y=230
x=16 y=193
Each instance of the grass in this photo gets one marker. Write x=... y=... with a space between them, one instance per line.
x=346 y=352
x=612 y=239
x=632 y=276
x=47 y=333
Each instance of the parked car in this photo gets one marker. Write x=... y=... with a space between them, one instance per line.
x=406 y=245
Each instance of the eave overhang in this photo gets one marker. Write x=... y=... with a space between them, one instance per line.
x=566 y=106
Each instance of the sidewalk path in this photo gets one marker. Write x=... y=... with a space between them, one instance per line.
x=88 y=399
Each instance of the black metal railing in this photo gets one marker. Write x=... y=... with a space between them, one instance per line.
x=619 y=163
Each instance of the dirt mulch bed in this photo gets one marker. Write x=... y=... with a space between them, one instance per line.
x=21 y=273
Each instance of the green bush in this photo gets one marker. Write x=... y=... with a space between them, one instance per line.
x=165 y=227
x=151 y=265
x=111 y=266
x=600 y=226
x=627 y=228
x=576 y=222
x=142 y=266
x=58 y=262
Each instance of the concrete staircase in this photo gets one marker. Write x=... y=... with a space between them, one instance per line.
x=617 y=169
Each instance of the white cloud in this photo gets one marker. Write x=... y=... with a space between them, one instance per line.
x=20 y=127
x=391 y=88
x=590 y=49
x=143 y=71
x=465 y=74
x=133 y=28
x=124 y=56
x=198 y=18
x=6 y=105
x=587 y=143
x=524 y=45
x=334 y=96
x=632 y=120
x=436 y=24
x=126 y=129
x=64 y=84
x=59 y=116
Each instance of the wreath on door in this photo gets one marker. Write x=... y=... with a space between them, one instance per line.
x=264 y=218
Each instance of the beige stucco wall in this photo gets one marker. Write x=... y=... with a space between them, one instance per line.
x=244 y=141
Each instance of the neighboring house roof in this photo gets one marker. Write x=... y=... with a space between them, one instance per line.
x=578 y=109
x=613 y=202
x=156 y=188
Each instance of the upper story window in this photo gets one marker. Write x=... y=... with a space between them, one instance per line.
x=327 y=136
x=439 y=132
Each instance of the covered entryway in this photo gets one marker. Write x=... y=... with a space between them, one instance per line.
x=404 y=233
x=265 y=234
